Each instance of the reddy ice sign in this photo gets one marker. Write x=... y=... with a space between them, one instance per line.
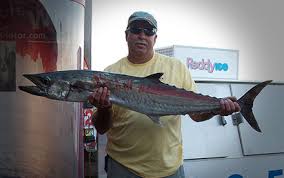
x=209 y=63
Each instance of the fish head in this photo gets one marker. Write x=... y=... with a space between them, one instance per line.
x=47 y=86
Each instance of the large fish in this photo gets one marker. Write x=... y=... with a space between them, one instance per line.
x=147 y=95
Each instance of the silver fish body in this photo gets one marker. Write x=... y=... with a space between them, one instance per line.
x=147 y=95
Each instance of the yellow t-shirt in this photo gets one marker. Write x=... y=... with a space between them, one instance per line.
x=135 y=141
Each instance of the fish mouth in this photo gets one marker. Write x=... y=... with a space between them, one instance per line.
x=41 y=84
x=34 y=90
x=39 y=80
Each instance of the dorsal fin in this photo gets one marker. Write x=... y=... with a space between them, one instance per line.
x=155 y=76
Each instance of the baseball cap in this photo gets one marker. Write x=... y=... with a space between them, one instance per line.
x=141 y=15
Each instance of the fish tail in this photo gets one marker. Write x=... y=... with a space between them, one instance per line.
x=246 y=104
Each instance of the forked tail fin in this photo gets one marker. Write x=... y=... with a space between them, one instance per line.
x=246 y=104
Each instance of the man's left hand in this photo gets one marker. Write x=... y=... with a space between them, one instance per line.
x=229 y=106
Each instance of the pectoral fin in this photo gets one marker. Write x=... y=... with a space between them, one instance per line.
x=156 y=120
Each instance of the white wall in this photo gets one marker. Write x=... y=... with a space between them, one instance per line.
x=254 y=27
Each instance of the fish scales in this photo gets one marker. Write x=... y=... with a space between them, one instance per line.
x=157 y=104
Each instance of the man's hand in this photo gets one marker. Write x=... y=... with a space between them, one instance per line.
x=102 y=117
x=229 y=106
x=100 y=98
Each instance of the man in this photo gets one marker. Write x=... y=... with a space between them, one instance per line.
x=136 y=146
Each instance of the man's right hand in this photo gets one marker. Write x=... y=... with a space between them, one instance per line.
x=100 y=98
x=102 y=117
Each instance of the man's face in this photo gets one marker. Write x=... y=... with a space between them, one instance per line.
x=140 y=42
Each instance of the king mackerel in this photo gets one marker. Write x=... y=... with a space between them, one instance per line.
x=147 y=95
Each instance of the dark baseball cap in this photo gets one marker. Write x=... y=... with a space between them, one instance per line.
x=144 y=16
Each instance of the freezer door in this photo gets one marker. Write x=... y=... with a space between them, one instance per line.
x=213 y=138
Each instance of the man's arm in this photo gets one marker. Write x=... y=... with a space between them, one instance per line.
x=102 y=117
x=228 y=107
